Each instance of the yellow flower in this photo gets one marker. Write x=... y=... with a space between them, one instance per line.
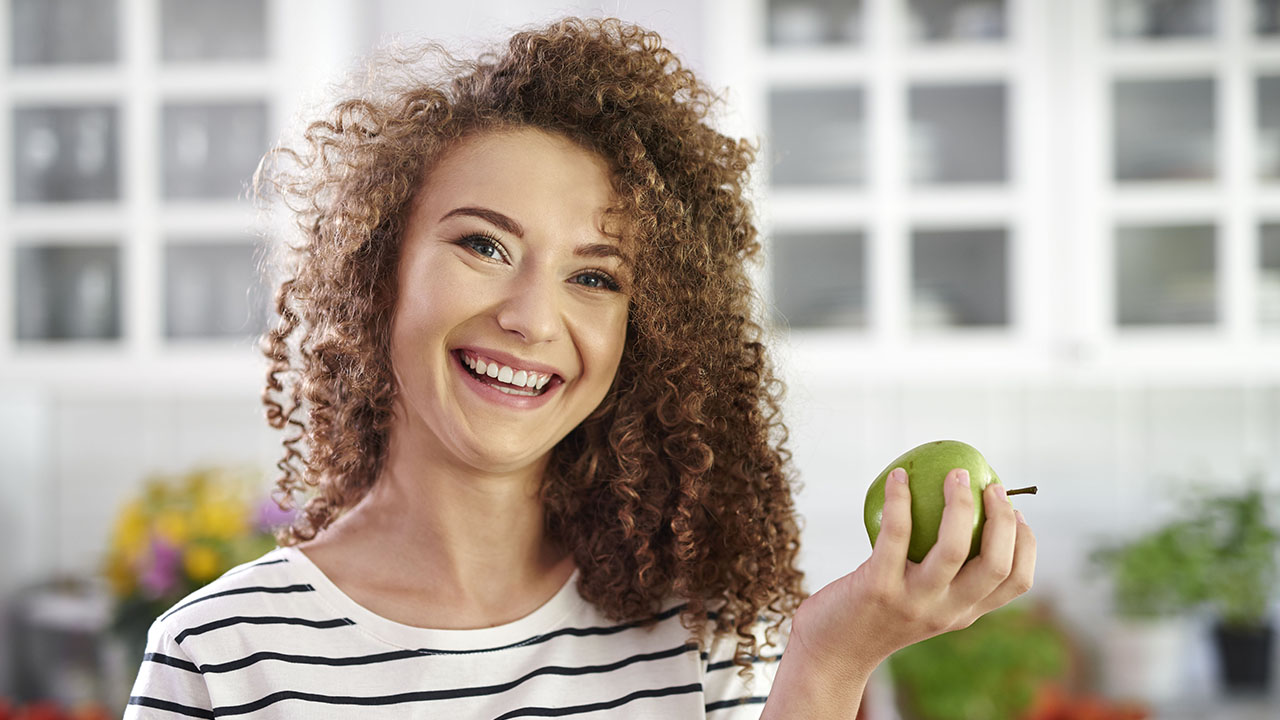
x=172 y=526
x=201 y=563
x=223 y=520
x=131 y=530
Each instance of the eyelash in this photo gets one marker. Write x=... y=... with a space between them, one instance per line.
x=469 y=240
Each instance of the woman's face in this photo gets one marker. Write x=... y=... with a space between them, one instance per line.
x=512 y=306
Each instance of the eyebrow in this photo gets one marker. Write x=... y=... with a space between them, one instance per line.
x=509 y=225
x=493 y=217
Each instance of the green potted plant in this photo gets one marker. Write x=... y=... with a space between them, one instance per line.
x=1160 y=573
x=1157 y=579
x=1240 y=584
x=991 y=670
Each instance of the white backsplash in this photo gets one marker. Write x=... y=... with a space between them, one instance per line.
x=1108 y=461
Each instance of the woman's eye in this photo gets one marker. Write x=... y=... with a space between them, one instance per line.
x=599 y=280
x=485 y=246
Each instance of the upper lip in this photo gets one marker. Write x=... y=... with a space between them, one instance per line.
x=512 y=361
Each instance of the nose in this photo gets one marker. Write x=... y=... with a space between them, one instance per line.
x=531 y=308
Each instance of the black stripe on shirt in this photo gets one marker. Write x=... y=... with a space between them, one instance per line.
x=162 y=659
x=386 y=657
x=607 y=705
x=722 y=704
x=239 y=570
x=722 y=664
x=576 y=632
x=263 y=620
x=450 y=693
x=303 y=587
x=244 y=662
x=172 y=707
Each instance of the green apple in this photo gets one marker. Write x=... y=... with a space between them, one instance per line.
x=927 y=467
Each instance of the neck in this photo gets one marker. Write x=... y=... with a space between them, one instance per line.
x=467 y=536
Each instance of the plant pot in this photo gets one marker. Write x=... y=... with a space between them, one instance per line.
x=1145 y=660
x=1244 y=657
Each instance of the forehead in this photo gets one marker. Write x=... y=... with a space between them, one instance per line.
x=536 y=176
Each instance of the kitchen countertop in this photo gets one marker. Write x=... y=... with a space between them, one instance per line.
x=1248 y=708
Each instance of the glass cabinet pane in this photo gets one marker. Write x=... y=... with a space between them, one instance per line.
x=1269 y=275
x=1164 y=130
x=68 y=292
x=1150 y=19
x=55 y=32
x=65 y=154
x=1266 y=17
x=958 y=133
x=799 y=23
x=1268 y=150
x=199 y=30
x=1166 y=275
x=820 y=279
x=956 y=20
x=211 y=150
x=959 y=278
x=212 y=290
x=818 y=137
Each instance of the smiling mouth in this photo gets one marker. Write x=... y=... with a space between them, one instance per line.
x=508 y=388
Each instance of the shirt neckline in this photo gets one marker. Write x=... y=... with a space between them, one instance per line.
x=549 y=616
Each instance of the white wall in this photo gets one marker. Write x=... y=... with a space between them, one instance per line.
x=472 y=25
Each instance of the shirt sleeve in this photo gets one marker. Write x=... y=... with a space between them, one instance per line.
x=728 y=695
x=169 y=684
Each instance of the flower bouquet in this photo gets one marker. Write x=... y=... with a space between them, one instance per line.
x=179 y=534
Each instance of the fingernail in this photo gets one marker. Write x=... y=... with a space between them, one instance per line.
x=962 y=478
x=1021 y=520
x=1001 y=491
x=898 y=475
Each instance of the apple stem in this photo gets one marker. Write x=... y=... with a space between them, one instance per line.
x=1029 y=490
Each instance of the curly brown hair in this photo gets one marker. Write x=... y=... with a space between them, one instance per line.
x=679 y=483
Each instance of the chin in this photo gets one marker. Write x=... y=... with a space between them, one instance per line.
x=506 y=460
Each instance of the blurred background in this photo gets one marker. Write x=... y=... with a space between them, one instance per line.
x=1049 y=229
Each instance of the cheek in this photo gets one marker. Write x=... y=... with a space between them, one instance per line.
x=430 y=297
x=612 y=339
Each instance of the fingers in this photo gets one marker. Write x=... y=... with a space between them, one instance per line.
x=889 y=556
x=955 y=533
x=1023 y=573
x=992 y=567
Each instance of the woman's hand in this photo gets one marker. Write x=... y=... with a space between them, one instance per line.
x=842 y=632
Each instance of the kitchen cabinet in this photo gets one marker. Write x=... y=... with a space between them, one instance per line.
x=1026 y=187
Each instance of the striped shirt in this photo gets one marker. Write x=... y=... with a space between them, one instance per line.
x=275 y=638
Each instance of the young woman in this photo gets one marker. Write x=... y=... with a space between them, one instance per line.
x=532 y=415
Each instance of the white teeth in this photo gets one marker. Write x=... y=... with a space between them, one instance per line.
x=513 y=391
x=519 y=378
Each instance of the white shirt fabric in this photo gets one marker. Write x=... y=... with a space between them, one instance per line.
x=275 y=638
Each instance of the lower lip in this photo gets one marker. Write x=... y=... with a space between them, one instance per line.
x=493 y=394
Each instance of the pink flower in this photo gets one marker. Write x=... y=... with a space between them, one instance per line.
x=161 y=576
x=270 y=515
